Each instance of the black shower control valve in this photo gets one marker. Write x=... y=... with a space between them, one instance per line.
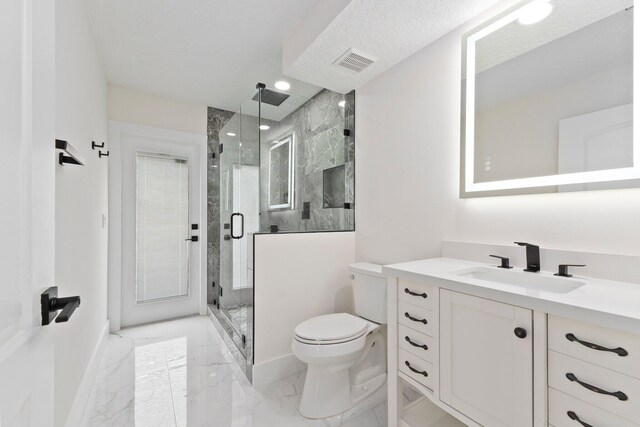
x=101 y=154
x=94 y=145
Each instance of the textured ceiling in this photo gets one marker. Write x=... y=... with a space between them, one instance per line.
x=390 y=30
x=206 y=51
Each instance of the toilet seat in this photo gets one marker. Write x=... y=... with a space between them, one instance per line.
x=331 y=329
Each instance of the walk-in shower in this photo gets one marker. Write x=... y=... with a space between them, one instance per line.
x=281 y=163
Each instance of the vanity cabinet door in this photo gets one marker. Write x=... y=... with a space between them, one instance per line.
x=486 y=360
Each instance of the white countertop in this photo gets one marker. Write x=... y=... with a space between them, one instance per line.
x=607 y=303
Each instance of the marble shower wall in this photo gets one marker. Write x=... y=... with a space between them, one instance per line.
x=216 y=119
x=318 y=128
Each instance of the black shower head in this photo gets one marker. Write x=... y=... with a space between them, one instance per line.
x=271 y=97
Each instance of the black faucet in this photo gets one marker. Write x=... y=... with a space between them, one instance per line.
x=533 y=257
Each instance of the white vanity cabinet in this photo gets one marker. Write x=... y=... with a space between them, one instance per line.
x=486 y=360
x=487 y=354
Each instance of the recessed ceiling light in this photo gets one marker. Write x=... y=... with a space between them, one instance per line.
x=282 y=85
x=535 y=12
x=264 y=127
x=231 y=134
x=342 y=103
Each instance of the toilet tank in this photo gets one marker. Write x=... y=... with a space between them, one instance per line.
x=369 y=291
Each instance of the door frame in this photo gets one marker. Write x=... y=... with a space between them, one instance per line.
x=117 y=131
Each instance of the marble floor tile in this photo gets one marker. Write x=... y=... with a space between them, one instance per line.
x=180 y=374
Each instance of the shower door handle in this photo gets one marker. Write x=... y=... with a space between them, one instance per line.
x=241 y=235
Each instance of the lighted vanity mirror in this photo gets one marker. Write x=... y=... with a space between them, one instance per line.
x=547 y=100
x=281 y=173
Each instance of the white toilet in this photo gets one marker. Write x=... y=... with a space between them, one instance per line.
x=345 y=354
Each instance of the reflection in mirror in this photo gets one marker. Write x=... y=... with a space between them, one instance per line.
x=281 y=174
x=548 y=99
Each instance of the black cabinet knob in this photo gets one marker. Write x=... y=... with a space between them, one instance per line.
x=520 y=332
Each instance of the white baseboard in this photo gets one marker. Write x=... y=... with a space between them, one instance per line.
x=275 y=369
x=84 y=390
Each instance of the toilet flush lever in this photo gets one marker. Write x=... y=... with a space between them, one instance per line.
x=351 y=276
x=50 y=304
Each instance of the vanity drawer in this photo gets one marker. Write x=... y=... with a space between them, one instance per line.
x=417 y=368
x=601 y=346
x=417 y=343
x=417 y=318
x=561 y=405
x=597 y=378
x=416 y=293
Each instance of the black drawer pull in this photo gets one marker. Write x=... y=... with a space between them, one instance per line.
x=620 y=395
x=415 y=319
x=406 y=362
x=415 y=294
x=619 y=351
x=575 y=417
x=423 y=346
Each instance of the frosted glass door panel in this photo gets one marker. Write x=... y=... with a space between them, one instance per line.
x=162 y=227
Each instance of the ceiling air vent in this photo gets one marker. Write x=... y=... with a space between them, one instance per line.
x=355 y=60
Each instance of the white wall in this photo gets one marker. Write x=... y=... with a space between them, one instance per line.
x=407 y=175
x=132 y=106
x=81 y=200
x=297 y=276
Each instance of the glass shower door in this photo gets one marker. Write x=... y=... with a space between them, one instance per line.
x=239 y=211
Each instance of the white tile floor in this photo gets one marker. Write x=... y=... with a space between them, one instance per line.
x=180 y=373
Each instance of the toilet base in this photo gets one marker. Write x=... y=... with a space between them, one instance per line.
x=332 y=390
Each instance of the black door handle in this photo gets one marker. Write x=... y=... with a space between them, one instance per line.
x=575 y=417
x=415 y=294
x=422 y=346
x=406 y=362
x=241 y=235
x=415 y=319
x=192 y=239
x=620 y=395
x=50 y=304
x=619 y=351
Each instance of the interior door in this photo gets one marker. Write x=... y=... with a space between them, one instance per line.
x=160 y=229
x=486 y=359
x=27 y=223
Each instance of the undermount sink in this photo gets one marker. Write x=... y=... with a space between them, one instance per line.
x=521 y=279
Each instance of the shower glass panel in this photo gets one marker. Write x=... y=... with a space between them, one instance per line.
x=317 y=138
x=239 y=219
x=322 y=133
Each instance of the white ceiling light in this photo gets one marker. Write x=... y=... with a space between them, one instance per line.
x=282 y=85
x=342 y=103
x=231 y=134
x=264 y=127
x=535 y=12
